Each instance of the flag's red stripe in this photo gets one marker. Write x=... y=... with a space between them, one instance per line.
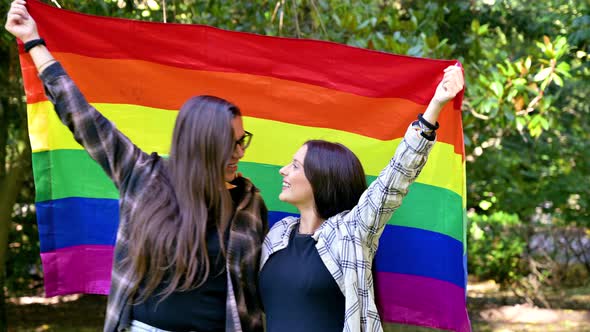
x=331 y=65
x=257 y=96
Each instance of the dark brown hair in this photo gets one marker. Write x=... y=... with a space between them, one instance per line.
x=336 y=175
x=169 y=224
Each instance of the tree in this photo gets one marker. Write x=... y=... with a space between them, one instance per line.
x=15 y=151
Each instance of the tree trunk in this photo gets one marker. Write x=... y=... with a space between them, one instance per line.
x=10 y=186
x=14 y=159
x=3 y=316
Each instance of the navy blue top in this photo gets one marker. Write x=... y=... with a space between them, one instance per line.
x=298 y=292
x=201 y=309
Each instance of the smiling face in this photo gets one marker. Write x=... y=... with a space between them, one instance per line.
x=296 y=188
x=232 y=167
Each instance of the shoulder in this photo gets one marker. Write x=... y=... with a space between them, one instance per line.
x=338 y=220
x=148 y=170
x=337 y=226
x=244 y=184
x=248 y=196
x=246 y=189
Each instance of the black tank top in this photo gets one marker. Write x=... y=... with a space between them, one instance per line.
x=298 y=292
x=201 y=309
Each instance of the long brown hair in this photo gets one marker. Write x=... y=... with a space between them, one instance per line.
x=168 y=226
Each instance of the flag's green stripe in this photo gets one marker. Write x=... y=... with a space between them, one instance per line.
x=427 y=207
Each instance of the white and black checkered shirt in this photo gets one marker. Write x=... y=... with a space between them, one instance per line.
x=347 y=242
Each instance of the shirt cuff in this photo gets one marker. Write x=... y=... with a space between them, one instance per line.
x=52 y=72
x=416 y=141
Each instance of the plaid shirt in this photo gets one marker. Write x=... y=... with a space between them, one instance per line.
x=132 y=171
x=347 y=242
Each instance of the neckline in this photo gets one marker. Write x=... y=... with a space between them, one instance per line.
x=301 y=235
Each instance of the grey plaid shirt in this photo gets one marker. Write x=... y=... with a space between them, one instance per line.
x=132 y=171
x=347 y=242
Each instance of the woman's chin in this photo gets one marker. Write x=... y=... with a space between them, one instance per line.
x=283 y=198
x=229 y=176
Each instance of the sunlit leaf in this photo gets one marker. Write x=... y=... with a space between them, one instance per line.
x=483 y=29
x=510 y=72
x=557 y=79
x=519 y=82
x=527 y=63
x=485 y=205
x=153 y=5
x=542 y=74
x=498 y=89
x=474 y=25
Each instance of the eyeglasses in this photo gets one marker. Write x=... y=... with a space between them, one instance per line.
x=245 y=141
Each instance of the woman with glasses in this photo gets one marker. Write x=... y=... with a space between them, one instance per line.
x=316 y=269
x=190 y=230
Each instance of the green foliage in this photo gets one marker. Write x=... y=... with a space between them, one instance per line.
x=527 y=126
x=526 y=116
x=496 y=246
x=23 y=269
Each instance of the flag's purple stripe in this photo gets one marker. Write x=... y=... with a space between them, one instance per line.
x=403 y=298
x=79 y=269
x=415 y=300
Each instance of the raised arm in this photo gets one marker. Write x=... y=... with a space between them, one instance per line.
x=385 y=194
x=99 y=137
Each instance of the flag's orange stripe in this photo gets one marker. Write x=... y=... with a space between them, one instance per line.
x=166 y=87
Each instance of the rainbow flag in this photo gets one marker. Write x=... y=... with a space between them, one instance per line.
x=138 y=74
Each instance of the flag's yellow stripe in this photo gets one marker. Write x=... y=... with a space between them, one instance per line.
x=274 y=142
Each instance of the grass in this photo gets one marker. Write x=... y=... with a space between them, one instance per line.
x=490 y=310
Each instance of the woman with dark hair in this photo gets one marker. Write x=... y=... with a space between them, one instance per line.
x=187 y=249
x=316 y=269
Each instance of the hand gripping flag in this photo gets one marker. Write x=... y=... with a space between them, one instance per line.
x=138 y=74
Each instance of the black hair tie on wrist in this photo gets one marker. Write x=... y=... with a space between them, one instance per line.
x=32 y=43
x=427 y=124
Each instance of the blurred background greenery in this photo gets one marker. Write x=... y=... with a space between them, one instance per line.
x=526 y=122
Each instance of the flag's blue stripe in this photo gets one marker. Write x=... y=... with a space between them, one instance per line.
x=402 y=249
x=76 y=221
x=419 y=252
x=415 y=251
x=274 y=216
